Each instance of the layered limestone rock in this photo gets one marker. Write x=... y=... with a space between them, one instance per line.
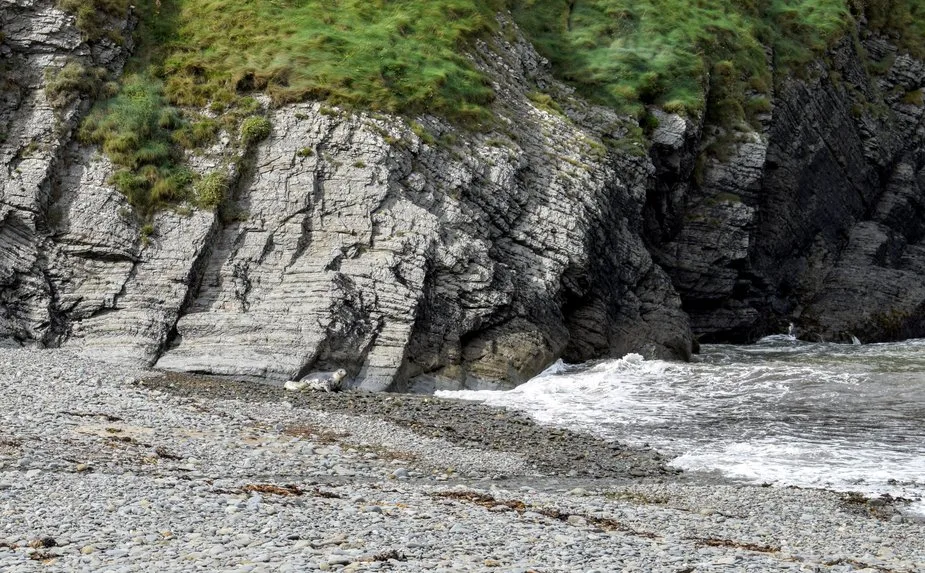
x=418 y=255
x=36 y=42
x=438 y=259
x=411 y=254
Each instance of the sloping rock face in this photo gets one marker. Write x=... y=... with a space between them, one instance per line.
x=411 y=254
x=418 y=256
x=37 y=41
x=815 y=219
x=416 y=263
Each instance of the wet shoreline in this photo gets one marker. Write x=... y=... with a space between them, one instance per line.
x=553 y=452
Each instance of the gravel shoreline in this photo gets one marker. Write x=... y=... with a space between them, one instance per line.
x=105 y=468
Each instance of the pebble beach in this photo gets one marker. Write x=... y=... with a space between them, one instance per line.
x=108 y=468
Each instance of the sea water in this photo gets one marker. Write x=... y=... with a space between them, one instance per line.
x=781 y=412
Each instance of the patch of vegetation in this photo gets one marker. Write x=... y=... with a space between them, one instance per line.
x=400 y=56
x=648 y=123
x=255 y=129
x=147 y=231
x=902 y=20
x=757 y=105
x=545 y=102
x=29 y=150
x=94 y=16
x=134 y=129
x=66 y=85
x=723 y=197
x=210 y=190
x=196 y=134
x=913 y=98
x=422 y=133
x=703 y=56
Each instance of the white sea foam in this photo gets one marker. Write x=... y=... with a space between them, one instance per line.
x=582 y=397
x=842 y=417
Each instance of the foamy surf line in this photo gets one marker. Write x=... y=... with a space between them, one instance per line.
x=871 y=472
x=753 y=413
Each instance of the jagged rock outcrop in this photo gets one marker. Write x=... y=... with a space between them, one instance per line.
x=412 y=259
x=816 y=218
x=417 y=255
x=36 y=40
x=431 y=265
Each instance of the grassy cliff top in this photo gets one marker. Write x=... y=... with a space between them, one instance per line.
x=673 y=53
x=409 y=56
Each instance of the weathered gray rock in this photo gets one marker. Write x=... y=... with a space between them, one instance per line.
x=814 y=219
x=412 y=262
x=408 y=261
x=37 y=40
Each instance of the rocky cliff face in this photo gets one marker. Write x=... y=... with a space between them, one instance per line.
x=411 y=254
x=417 y=255
x=816 y=218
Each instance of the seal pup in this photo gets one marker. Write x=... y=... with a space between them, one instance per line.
x=318 y=382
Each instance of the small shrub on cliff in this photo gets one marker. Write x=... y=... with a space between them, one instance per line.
x=94 y=16
x=210 y=190
x=255 y=129
x=422 y=133
x=545 y=102
x=66 y=85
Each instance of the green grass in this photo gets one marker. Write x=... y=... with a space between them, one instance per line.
x=913 y=98
x=409 y=57
x=65 y=85
x=210 y=190
x=672 y=53
x=134 y=129
x=399 y=56
x=903 y=20
x=545 y=102
x=255 y=129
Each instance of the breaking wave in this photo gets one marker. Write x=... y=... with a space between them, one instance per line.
x=784 y=412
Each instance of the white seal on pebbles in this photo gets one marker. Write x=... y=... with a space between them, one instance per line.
x=318 y=382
